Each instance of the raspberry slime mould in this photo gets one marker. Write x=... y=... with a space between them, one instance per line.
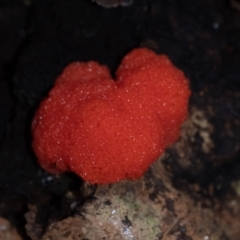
x=104 y=130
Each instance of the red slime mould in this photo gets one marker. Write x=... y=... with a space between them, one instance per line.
x=104 y=130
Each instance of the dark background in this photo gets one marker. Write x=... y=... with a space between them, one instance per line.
x=38 y=38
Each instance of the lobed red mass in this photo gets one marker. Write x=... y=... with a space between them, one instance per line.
x=104 y=130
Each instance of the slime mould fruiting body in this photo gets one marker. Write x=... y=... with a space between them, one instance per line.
x=104 y=130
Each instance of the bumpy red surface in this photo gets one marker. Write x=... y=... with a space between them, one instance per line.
x=105 y=130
